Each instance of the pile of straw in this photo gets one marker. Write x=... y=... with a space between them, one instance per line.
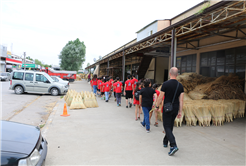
x=80 y=100
x=78 y=78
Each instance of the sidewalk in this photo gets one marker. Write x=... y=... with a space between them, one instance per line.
x=109 y=135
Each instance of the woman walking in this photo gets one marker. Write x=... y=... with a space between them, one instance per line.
x=136 y=101
x=146 y=101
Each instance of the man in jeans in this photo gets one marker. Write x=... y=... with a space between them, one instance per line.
x=118 y=90
x=168 y=90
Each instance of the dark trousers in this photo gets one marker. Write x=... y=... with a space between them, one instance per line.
x=118 y=98
x=168 y=122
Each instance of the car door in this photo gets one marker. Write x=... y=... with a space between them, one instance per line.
x=41 y=84
x=28 y=81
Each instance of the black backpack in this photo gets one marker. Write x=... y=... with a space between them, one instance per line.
x=137 y=95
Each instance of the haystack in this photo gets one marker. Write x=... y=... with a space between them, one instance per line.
x=186 y=97
x=190 y=118
x=196 y=95
x=218 y=113
x=77 y=103
x=228 y=110
x=226 y=87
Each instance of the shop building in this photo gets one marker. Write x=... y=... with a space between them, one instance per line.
x=209 y=39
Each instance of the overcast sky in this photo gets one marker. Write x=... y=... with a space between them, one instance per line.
x=41 y=28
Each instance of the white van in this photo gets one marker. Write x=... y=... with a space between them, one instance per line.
x=35 y=82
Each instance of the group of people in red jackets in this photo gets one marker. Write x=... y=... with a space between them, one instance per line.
x=105 y=87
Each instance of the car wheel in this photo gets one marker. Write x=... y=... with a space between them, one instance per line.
x=54 y=91
x=18 y=90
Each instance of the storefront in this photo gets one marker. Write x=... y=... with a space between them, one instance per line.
x=13 y=64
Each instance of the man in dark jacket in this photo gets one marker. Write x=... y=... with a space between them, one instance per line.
x=168 y=90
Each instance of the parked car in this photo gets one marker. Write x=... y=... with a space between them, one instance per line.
x=35 y=82
x=5 y=76
x=22 y=144
x=61 y=81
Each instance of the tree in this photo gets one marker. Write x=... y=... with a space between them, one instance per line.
x=72 y=55
x=38 y=62
x=88 y=64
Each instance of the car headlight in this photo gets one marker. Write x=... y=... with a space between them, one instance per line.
x=30 y=161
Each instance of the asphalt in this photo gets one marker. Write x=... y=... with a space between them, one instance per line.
x=109 y=135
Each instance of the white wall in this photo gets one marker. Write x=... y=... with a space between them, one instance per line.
x=146 y=32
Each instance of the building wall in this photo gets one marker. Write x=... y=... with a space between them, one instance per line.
x=146 y=32
x=193 y=11
x=162 y=63
x=211 y=44
x=151 y=70
x=162 y=24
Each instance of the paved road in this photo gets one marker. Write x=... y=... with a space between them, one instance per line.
x=27 y=108
x=109 y=135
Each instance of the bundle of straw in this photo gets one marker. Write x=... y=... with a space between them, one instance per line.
x=77 y=103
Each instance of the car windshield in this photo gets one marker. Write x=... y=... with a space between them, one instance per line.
x=48 y=77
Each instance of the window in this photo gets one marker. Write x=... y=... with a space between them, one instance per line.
x=29 y=76
x=41 y=78
x=18 y=76
x=186 y=63
x=224 y=62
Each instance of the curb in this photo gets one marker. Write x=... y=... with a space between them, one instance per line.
x=44 y=130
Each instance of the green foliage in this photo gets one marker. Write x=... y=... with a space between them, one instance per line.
x=203 y=8
x=88 y=64
x=38 y=62
x=72 y=55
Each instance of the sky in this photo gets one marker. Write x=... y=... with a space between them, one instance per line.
x=41 y=28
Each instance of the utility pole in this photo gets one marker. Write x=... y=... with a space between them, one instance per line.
x=24 y=60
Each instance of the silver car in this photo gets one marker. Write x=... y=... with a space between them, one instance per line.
x=35 y=82
x=4 y=76
x=61 y=81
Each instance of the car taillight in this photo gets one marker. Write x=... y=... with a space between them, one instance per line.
x=10 y=82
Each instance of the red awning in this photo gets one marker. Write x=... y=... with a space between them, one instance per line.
x=13 y=61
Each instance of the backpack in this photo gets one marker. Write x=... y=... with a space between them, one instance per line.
x=137 y=95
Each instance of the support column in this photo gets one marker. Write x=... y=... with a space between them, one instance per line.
x=173 y=49
x=155 y=70
x=108 y=68
x=98 y=69
x=123 y=66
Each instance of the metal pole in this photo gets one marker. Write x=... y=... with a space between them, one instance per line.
x=108 y=68
x=24 y=60
x=123 y=66
x=173 y=49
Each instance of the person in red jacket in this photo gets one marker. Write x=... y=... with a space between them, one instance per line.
x=136 y=102
x=155 y=109
x=102 y=89
x=94 y=83
x=99 y=82
x=128 y=91
x=118 y=90
x=134 y=82
x=114 y=88
x=107 y=86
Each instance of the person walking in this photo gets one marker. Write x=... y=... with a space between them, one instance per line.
x=146 y=101
x=154 y=109
x=134 y=82
x=128 y=91
x=174 y=94
x=107 y=86
x=118 y=90
x=99 y=82
x=102 y=89
x=136 y=101
x=94 y=84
